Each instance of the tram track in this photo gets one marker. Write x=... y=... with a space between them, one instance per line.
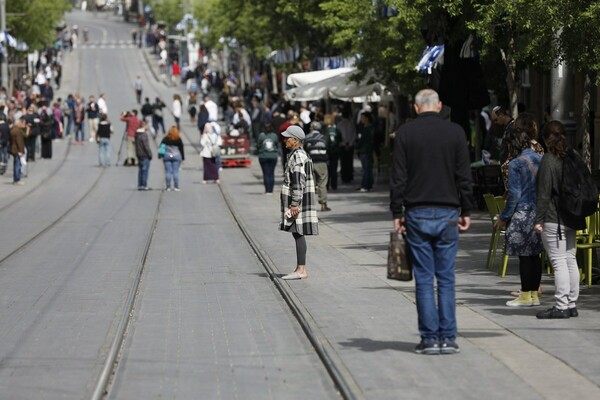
x=341 y=376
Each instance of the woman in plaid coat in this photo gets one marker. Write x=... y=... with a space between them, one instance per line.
x=298 y=200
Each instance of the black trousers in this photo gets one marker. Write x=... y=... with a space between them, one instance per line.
x=347 y=164
x=530 y=269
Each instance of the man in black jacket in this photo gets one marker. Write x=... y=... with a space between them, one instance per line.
x=431 y=197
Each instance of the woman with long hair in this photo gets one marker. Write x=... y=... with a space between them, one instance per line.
x=520 y=210
x=557 y=228
x=172 y=158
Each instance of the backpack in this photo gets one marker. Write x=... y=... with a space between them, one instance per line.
x=268 y=145
x=578 y=194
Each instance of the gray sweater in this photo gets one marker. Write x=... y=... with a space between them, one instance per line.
x=548 y=185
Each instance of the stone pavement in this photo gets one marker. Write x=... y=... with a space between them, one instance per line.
x=371 y=321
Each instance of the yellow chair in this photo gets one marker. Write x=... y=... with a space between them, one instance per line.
x=592 y=242
x=493 y=211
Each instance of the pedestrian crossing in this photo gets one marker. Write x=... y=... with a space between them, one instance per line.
x=108 y=44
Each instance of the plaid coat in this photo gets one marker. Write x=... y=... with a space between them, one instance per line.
x=299 y=188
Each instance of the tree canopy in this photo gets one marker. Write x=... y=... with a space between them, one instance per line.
x=34 y=21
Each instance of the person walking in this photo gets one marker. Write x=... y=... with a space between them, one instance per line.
x=177 y=107
x=334 y=140
x=211 y=143
x=144 y=155
x=138 y=86
x=364 y=148
x=4 y=143
x=93 y=117
x=348 y=131
x=431 y=200
x=172 y=158
x=298 y=199
x=520 y=209
x=17 y=148
x=79 y=117
x=558 y=229
x=315 y=145
x=157 y=116
x=192 y=107
x=46 y=120
x=105 y=130
x=132 y=124
x=268 y=150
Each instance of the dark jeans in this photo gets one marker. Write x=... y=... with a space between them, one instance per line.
x=16 y=168
x=268 y=168
x=332 y=171
x=366 y=160
x=144 y=168
x=432 y=236
x=347 y=164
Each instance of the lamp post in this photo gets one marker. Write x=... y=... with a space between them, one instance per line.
x=4 y=70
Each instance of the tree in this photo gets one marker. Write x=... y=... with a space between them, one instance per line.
x=579 y=20
x=523 y=31
x=169 y=11
x=34 y=21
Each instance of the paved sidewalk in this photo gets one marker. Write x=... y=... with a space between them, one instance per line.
x=371 y=321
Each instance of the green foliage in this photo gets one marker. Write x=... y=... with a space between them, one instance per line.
x=36 y=20
x=169 y=11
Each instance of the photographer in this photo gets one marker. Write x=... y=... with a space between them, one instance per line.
x=132 y=123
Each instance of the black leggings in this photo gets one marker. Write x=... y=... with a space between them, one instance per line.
x=530 y=269
x=301 y=248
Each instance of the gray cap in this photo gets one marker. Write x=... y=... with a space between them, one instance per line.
x=295 y=132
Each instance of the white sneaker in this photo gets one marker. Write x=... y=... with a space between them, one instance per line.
x=177 y=190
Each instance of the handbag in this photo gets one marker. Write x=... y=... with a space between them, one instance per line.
x=162 y=149
x=399 y=265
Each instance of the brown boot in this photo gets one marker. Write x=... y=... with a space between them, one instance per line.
x=324 y=207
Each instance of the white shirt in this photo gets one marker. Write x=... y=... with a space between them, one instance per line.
x=40 y=78
x=102 y=106
x=213 y=110
x=245 y=115
x=176 y=108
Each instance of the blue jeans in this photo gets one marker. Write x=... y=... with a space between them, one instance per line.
x=16 y=168
x=4 y=154
x=79 y=134
x=70 y=121
x=104 y=152
x=144 y=168
x=268 y=169
x=366 y=160
x=432 y=235
x=172 y=171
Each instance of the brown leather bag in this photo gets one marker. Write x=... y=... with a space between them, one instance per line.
x=399 y=266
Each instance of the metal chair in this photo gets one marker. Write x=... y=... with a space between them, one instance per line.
x=592 y=242
x=493 y=211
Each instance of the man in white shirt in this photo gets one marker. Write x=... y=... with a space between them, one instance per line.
x=212 y=108
x=102 y=104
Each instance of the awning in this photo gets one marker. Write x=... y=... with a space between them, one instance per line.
x=338 y=86
x=305 y=78
x=5 y=37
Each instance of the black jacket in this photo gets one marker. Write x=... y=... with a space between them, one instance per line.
x=315 y=146
x=431 y=166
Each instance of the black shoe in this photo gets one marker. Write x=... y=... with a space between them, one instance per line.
x=573 y=312
x=428 y=347
x=449 y=346
x=553 y=313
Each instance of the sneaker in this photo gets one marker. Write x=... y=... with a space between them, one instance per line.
x=449 y=346
x=573 y=312
x=18 y=183
x=177 y=190
x=428 y=347
x=553 y=313
x=535 y=300
x=168 y=189
x=524 y=300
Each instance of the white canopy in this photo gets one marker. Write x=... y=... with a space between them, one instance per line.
x=306 y=78
x=337 y=86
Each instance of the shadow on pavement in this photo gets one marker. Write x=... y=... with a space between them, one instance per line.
x=370 y=345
